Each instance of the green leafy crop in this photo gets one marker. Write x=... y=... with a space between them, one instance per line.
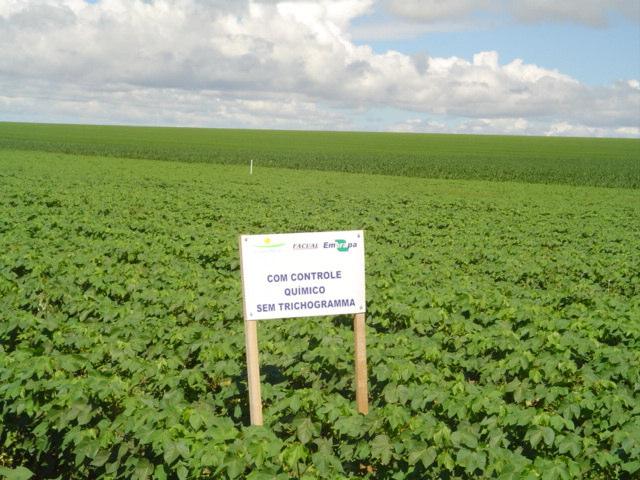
x=606 y=162
x=503 y=327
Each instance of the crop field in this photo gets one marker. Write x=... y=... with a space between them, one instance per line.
x=575 y=161
x=503 y=318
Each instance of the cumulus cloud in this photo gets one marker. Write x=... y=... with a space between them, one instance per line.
x=437 y=10
x=127 y=104
x=510 y=126
x=289 y=64
x=587 y=12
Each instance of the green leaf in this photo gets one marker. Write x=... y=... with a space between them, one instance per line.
x=381 y=449
x=324 y=459
x=557 y=422
x=234 y=467
x=351 y=426
x=569 y=444
x=535 y=436
x=305 y=430
x=159 y=473
x=18 y=473
x=556 y=472
x=112 y=467
x=464 y=438
x=170 y=452
x=549 y=435
x=212 y=457
x=175 y=449
x=446 y=461
x=183 y=449
x=143 y=469
x=470 y=460
x=101 y=458
x=182 y=472
x=631 y=467
x=195 y=420
x=260 y=476
x=425 y=455
x=293 y=454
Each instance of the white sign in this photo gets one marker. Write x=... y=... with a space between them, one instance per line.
x=302 y=274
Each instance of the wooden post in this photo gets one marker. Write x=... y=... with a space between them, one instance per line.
x=253 y=371
x=362 y=400
x=253 y=365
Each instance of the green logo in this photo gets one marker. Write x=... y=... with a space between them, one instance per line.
x=266 y=243
x=342 y=245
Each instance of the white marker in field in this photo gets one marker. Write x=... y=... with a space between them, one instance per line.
x=303 y=275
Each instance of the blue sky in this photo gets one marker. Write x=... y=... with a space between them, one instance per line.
x=594 y=55
x=526 y=67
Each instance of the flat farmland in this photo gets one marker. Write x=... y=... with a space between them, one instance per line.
x=503 y=317
x=575 y=161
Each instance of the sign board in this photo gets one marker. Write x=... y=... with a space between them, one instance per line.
x=288 y=275
x=303 y=274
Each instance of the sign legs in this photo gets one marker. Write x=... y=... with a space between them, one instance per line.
x=253 y=368
x=362 y=400
x=253 y=371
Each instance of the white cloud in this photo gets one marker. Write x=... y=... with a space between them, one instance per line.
x=510 y=126
x=436 y=10
x=568 y=130
x=126 y=104
x=587 y=12
x=262 y=63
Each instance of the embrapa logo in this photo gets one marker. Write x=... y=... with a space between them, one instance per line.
x=343 y=246
x=340 y=245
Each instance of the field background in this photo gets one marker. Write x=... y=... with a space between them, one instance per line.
x=503 y=318
x=574 y=161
